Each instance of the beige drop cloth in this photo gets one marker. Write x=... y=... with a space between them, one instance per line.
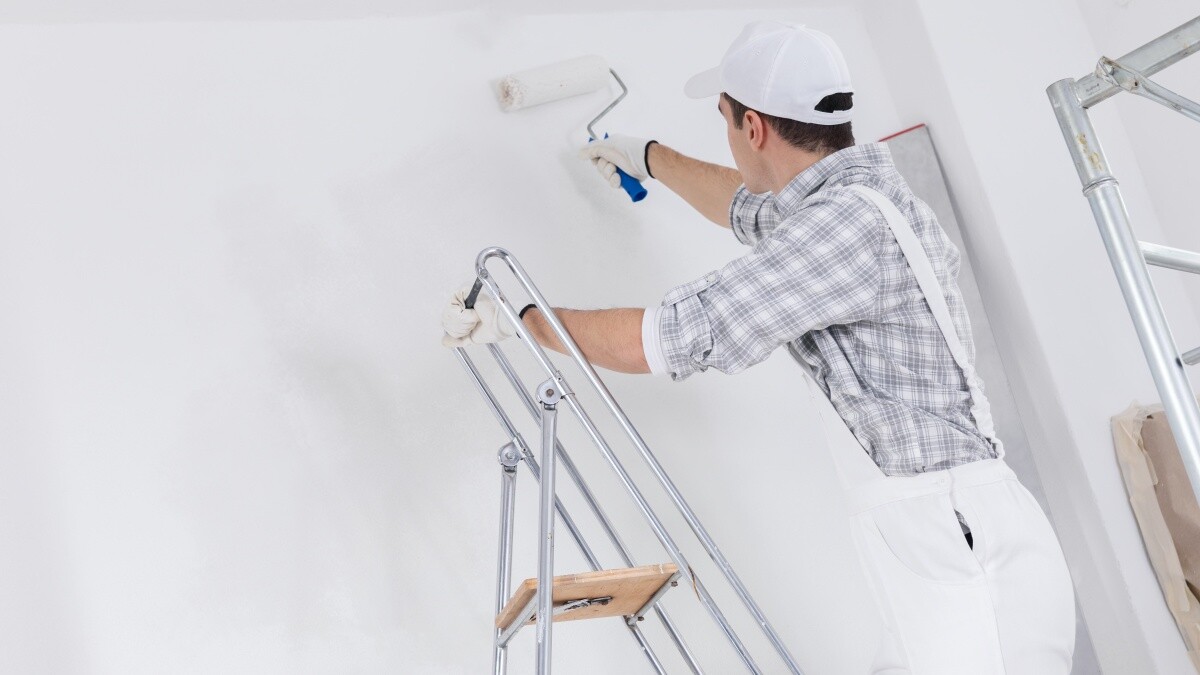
x=1166 y=511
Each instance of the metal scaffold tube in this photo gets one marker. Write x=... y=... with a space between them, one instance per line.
x=1129 y=257
x=1148 y=59
x=1171 y=258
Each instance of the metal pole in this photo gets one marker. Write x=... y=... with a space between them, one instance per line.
x=523 y=617
x=509 y=457
x=593 y=503
x=1171 y=258
x=1104 y=195
x=644 y=450
x=1138 y=83
x=1147 y=59
x=549 y=395
x=1192 y=356
x=532 y=464
x=645 y=645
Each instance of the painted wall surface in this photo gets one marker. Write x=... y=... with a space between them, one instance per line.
x=235 y=440
x=231 y=442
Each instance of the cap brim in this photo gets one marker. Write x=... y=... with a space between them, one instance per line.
x=704 y=84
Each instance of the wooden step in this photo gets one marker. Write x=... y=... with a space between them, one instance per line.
x=630 y=588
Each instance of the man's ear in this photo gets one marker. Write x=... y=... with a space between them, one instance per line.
x=757 y=127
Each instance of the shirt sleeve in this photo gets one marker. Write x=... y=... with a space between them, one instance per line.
x=752 y=216
x=652 y=340
x=819 y=268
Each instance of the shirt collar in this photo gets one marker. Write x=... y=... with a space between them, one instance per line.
x=874 y=157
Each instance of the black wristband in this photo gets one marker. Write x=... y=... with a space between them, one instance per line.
x=646 y=157
x=526 y=308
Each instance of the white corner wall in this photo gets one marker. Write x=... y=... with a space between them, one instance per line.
x=231 y=442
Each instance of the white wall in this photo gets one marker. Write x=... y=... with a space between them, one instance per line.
x=239 y=443
x=231 y=442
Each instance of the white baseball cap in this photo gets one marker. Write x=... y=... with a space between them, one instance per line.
x=780 y=69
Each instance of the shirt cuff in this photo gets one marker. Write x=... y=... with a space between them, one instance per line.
x=652 y=341
x=685 y=335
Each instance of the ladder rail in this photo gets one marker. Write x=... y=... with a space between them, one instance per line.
x=640 y=445
x=1070 y=100
x=549 y=395
x=508 y=486
x=589 y=497
x=504 y=576
x=527 y=454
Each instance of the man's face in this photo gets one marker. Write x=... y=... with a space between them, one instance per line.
x=739 y=144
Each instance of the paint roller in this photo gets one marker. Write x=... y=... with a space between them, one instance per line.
x=562 y=80
x=555 y=82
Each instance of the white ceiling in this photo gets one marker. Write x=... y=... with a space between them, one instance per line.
x=41 y=11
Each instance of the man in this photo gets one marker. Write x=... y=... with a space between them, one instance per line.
x=851 y=271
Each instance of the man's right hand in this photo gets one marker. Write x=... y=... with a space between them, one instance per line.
x=619 y=152
x=479 y=325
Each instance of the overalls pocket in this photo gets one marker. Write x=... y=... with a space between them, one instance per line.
x=922 y=534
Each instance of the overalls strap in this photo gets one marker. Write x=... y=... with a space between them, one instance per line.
x=918 y=260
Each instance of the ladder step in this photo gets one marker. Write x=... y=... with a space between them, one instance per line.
x=619 y=592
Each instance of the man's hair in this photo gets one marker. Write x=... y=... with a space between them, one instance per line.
x=819 y=138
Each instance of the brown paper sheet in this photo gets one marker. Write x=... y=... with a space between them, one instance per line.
x=1166 y=511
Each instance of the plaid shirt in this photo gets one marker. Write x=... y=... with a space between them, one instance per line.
x=826 y=277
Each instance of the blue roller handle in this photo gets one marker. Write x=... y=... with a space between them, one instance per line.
x=632 y=186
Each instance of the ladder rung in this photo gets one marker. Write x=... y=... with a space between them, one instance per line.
x=1171 y=258
x=631 y=590
x=1191 y=357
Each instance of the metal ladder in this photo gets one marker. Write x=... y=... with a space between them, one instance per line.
x=1071 y=100
x=600 y=592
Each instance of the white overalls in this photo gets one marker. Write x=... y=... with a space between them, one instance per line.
x=1005 y=606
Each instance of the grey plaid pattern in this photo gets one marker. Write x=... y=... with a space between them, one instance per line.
x=826 y=277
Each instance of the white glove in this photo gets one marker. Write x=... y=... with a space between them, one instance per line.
x=624 y=152
x=473 y=326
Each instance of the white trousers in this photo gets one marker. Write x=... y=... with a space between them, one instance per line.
x=1004 y=606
